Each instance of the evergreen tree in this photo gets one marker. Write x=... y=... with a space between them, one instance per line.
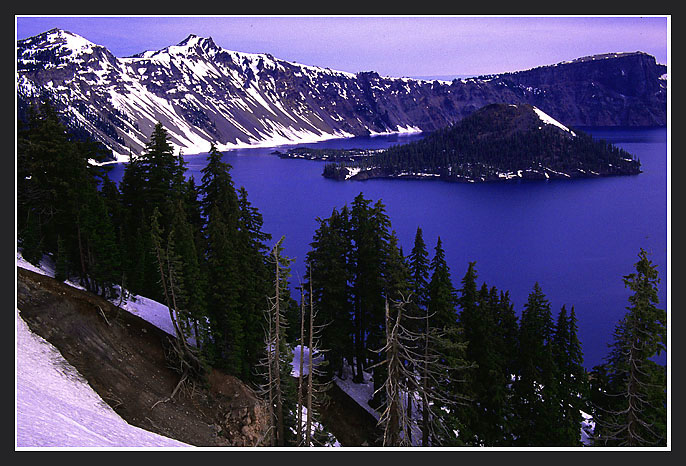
x=152 y=180
x=572 y=378
x=631 y=410
x=449 y=345
x=192 y=302
x=221 y=213
x=535 y=391
x=419 y=270
x=442 y=295
x=237 y=274
x=418 y=282
x=369 y=230
x=58 y=199
x=328 y=260
x=255 y=278
x=506 y=345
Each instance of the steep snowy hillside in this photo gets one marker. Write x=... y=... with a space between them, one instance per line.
x=55 y=406
x=203 y=93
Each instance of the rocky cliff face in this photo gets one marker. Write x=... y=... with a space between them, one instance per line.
x=628 y=89
x=203 y=93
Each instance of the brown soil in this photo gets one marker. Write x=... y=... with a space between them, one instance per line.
x=123 y=358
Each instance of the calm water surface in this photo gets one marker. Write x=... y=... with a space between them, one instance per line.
x=576 y=238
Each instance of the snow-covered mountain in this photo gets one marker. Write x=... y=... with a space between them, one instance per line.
x=203 y=93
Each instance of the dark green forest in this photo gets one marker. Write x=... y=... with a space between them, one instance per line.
x=479 y=372
x=496 y=140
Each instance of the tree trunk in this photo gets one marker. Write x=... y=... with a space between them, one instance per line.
x=425 y=387
x=300 y=372
x=277 y=361
x=308 y=428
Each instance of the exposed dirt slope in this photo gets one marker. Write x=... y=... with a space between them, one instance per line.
x=123 y=358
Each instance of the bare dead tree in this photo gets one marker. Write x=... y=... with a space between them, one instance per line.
x=316 y=390
x=266 y=363
x=182 y=357
x=301 y=437
x=404 y=357
x=273 y=362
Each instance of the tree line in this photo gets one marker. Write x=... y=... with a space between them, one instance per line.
x=450 y=366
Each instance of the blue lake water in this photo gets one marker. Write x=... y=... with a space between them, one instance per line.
x=576 y=238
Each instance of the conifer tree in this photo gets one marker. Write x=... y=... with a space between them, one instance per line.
x=418 y=281
x=572 y=378
x=442 y=295
x=221 y=213
x=58 y=199
x=193 y=305
x=152 y=179
x=328 y=260
x=450 y=346
x=535 y=388
x=632 y=408
x=370 y=235
x=418 y=263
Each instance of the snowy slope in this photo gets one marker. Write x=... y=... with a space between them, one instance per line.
x=55 y=406
x=200 y=92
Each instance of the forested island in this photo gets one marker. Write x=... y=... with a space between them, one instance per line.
x=479 y=372
x=327 y=154
x=499 y=142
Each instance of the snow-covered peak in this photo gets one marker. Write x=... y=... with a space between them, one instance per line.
x=65 y=40
x=63 y=48
x=548 y=120
x=194 y=41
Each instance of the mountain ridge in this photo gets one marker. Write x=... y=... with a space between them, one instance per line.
x=203 y=93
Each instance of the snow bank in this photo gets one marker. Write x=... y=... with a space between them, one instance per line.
x=360 y=392
x=548 y=120
x=55 y=406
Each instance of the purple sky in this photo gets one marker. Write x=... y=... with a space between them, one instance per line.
x=393 y=46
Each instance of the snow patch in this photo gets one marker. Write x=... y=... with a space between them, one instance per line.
x=547 y=119
x=55 y=406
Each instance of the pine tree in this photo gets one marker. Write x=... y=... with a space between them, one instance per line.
x=328 y=260
x=227 y=341
x=58 y=199
x=572 y=378
x=449 y=344
x=535 y=391
x=193 y=305
x=370 y=235
x=490 y=327
x=419 y=270
x=442 y=295
x=254 y=279
x=632 y=408
x=418 y=281
x=152 y=180
x=222 y=255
